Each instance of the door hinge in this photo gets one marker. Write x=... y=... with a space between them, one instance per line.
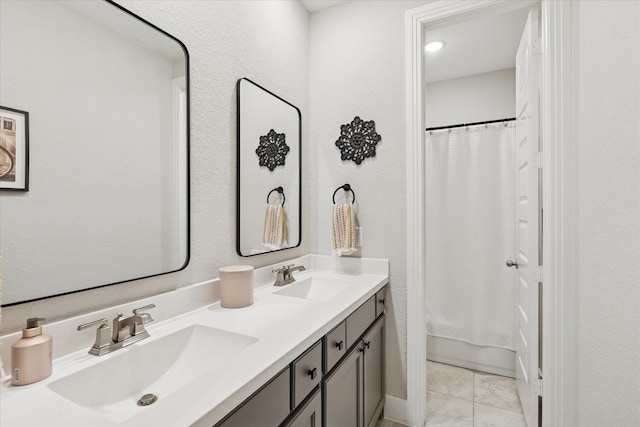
x=537 y=160
x=537 y=386
x=537 y=274
x=536 y=46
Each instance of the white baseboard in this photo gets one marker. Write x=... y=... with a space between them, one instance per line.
x=395 y=409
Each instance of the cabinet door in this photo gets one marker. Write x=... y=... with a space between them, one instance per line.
x=310 y=414
x=381 y=299
x=266 y=408
x=306 y=373
x=359 y=321
x=342 y=391
x=335 y=346
x=373 y=370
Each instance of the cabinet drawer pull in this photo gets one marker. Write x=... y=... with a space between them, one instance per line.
x=312 y=373
x=381 y=300
x=339 y=345
x=366 y=344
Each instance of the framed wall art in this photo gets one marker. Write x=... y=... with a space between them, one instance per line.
x=14 y=149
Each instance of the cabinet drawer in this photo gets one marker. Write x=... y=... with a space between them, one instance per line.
x=309 y=414
x=381 y=297
x=359 y=320
x=306 y=373
x=269 y=406
x=335 y=346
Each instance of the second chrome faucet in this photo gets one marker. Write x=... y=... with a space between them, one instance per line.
x=123 y=332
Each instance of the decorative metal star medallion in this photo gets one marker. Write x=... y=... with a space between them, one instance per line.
x=358 y=140
x=272 y=150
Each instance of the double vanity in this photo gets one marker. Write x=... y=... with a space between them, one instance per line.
x=307 y=350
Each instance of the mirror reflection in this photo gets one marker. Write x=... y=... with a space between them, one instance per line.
x=108 y=148
x=269 y=202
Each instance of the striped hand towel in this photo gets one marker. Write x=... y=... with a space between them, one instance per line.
x=344 y=229
x=274 y=236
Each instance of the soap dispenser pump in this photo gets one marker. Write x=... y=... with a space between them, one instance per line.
x=31 y=355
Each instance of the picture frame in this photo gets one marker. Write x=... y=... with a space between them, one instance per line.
x=14 y=149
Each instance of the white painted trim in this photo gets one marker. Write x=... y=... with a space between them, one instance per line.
x=559 y=357
x=395 y=409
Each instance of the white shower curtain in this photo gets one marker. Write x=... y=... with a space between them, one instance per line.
x=470 y=233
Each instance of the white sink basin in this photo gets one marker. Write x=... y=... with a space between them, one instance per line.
x=161 y=367
x=314 y=288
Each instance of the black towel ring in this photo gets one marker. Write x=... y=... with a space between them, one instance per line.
x=345 y=187
x=279 y=190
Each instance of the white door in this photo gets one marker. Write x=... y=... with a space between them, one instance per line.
x=527 y=217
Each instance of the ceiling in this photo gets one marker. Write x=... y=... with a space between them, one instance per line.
x=479 y=45
x=484 y=44
x=316 y=5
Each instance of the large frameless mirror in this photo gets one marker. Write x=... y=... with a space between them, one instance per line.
x=269 y=170
x=107 y=97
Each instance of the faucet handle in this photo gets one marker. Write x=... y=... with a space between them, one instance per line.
x=103 y=336
x=102 y=322
x=146 y=317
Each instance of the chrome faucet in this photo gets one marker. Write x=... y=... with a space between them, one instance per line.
x=284 y=274
x=123 y=333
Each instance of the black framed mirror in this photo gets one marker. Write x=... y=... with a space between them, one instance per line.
x=269 y=198
x=108 y=100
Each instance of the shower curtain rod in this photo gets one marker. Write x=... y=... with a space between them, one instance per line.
x=461 y=125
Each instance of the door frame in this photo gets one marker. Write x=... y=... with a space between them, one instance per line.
x=559 y=301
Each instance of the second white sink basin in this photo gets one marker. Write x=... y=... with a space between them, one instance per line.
x=314 y=288
x=161 y=366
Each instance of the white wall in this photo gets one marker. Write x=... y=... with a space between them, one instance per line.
x=480 y=97
x=357 y=69
x=264 y=41
x=607 y=87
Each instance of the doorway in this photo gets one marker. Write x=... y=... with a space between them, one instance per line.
x=472 y=301
x=556 y=116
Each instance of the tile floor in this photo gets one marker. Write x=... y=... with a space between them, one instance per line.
x=458 y=397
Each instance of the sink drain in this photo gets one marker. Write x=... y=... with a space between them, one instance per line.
x=147 y=399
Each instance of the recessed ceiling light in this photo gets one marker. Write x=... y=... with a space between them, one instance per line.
x=434 y=46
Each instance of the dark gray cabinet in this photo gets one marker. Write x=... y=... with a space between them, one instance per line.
x=337 y=382
x=373 y=384
x=360 y=320
x=269 y=405
x=354 y=390
x=306 y=373
x=342 y=391
x=335 y=346
x=309 y=414
x=381 y=300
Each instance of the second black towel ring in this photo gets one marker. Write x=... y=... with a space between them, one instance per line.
x=345 y=187
x=279 y=190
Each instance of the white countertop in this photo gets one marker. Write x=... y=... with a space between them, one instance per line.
x=284 y=326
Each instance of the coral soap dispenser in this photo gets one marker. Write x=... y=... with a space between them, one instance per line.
x=31 y=357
